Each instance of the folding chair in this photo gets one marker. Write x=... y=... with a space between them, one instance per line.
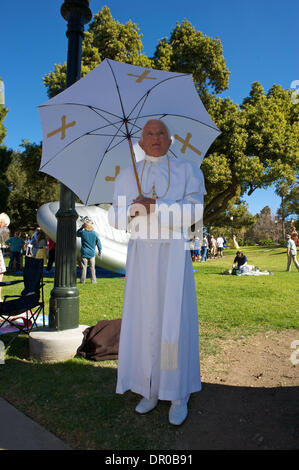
x=28 y=302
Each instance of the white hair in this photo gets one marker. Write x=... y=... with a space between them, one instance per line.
x=156 y=120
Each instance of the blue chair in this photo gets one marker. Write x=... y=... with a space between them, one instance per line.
x=30 y=301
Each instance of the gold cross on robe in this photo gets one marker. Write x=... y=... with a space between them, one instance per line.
x=143 y=76
x=63 y=128
x=186 y=143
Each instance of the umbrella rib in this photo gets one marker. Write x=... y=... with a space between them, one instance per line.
x=73 y=141
x=117 y=88
x=103 y=117
x=145 y=96
x=138 y=115
x=93 y=108
x=118 y=143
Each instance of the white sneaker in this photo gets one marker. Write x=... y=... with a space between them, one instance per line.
x=145 y=405
x=178 y=414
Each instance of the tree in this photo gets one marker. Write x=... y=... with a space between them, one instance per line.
x=289 y=194
x=5 y=158
x=190 y=51
x=236 y=220
x=273 y=134
x=265 y=227
x=258 y=145
x=29 y=188
x=225 y=163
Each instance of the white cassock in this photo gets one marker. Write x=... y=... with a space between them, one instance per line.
x=159 y=344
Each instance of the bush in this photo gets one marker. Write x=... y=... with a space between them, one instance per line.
x=250 y=242
x=266 y=242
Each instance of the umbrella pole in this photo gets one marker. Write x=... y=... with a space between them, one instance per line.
x=133 y=159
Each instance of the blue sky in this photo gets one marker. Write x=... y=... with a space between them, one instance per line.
x=259 y=38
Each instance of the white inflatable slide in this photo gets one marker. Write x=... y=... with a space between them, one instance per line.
x=114 y=242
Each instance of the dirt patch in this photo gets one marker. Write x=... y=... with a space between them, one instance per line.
x=250 y=396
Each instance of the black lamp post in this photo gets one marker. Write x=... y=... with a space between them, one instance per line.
x=64 y=301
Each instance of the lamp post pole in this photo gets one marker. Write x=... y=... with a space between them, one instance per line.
x=64 y=300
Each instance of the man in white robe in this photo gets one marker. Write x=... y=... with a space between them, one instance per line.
x=158 y=349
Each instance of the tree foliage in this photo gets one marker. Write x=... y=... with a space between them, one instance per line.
x=258 y=146
x=5 y=158
x=190 y=51
x=289 y=194
x=29 y=188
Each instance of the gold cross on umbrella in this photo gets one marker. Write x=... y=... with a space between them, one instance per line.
x=186 y=143
x=112 y=178
x=63 y=127
x=143 y=76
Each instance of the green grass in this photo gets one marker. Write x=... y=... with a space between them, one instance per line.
x=76 y=399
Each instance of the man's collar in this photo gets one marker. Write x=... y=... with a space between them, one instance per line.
x=155 y=159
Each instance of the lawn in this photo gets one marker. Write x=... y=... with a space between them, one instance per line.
x=76 y=399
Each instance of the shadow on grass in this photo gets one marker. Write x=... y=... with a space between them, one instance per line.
x=241 y=418
x=76 y=401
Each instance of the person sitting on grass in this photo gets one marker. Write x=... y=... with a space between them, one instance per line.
x=240 y=260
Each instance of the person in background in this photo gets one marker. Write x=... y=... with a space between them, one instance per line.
x=240 y=260
x=4 y=235
x=51 y=253
x=192 y=248
x=2 y=270
x=213 y=247
x=28 y=246
x=196 y=249
x=4 y=230
x=224 y=241
x=34 y=247
x=220 y=243
x=16 y=244
x=204 y=249
x=294 y=234
x=41 y=246
x=89 y=241
x=291 y=253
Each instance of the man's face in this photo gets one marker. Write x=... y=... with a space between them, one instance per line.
x=155 y=142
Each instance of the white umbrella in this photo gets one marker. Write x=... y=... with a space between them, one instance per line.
x=91 y=130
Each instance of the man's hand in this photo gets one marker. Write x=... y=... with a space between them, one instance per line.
x=142 y=206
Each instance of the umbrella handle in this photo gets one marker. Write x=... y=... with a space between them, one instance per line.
x=133 y=159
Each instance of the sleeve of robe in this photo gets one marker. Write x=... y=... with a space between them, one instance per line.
x=188 y=210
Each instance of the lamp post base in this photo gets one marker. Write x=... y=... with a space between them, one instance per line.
x=46 y=345
x=64 y=300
